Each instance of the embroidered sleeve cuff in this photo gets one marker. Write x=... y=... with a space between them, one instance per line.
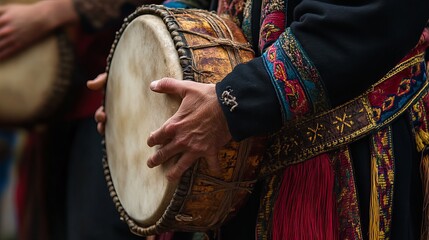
x=298 y=85
x=249 y=101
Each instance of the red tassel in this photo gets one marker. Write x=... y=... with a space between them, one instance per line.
x=305 y=206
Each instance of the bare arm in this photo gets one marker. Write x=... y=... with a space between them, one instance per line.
x=22 y=24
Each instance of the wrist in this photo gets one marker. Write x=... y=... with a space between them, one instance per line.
x=58 y=12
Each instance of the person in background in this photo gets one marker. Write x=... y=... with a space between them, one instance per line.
x=61 y=190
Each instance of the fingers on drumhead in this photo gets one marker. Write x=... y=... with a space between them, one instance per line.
x=163 y=154
x=100 y=115
x=169 y=85
x=100 y=128
x=177 y=170
x=162 y=135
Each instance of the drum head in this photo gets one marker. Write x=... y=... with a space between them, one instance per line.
x=145 y=52
x=26 y=79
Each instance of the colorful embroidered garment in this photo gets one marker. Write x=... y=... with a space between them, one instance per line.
x=387 y=99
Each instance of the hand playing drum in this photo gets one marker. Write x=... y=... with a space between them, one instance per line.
x=169 y=160
x=197 y=130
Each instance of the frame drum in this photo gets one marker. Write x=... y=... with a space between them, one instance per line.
x=153 y=43
x=34 y=81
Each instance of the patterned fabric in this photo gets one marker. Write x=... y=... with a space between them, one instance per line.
x=273 y=17
x=232 y=9
x=383 y=173
x=299 y=89
x=419 y=115
x=269 y=196
x=390 y=97
x=346 y=193
x=246 y=25
x=393 y=94
x=296 y=80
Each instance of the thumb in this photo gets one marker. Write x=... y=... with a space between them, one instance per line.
x=98 y=83
x=170 y=86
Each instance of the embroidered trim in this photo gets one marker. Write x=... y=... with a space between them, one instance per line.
x=404 y=79
x=383 y=158
x=246 y=25
x=418 y=116
x=419 y=119
x=346 y=194
x=296 y=80
x=300 y=141
x=271 y=29
x=228 y=99
x=300 y=91
x=273 y=22
x=269 y=193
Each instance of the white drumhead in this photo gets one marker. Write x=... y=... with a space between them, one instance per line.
x=145 y=52
x=27 y=79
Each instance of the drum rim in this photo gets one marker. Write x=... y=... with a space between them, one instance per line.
x=172 y=214
x=64 y=76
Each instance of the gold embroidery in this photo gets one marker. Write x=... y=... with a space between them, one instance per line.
x=388 y=103
x=343 y=122
x=315 y=133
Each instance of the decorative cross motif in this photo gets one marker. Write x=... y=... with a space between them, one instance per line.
x=315 y=133
x=291 y=144
x=342 y=122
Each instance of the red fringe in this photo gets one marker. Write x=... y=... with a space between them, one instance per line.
x=305 y=206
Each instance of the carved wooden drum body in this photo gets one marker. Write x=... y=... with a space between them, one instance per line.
x=195 y=45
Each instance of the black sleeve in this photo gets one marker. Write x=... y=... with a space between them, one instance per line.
x=354 y=43
x=349 y=45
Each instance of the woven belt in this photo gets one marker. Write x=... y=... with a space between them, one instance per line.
x=379 y=106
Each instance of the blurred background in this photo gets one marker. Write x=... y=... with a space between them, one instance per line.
x=10 y=148
x=52 y=183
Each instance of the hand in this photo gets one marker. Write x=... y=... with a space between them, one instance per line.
x=100 y=116
x=197 y=130
x=23 y=24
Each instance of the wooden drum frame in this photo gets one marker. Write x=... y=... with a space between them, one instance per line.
x=206 y=48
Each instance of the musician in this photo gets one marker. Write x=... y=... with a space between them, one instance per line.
x=62 y=193
x=367 y=176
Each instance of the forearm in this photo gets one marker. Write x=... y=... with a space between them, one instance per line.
x=58 y=12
